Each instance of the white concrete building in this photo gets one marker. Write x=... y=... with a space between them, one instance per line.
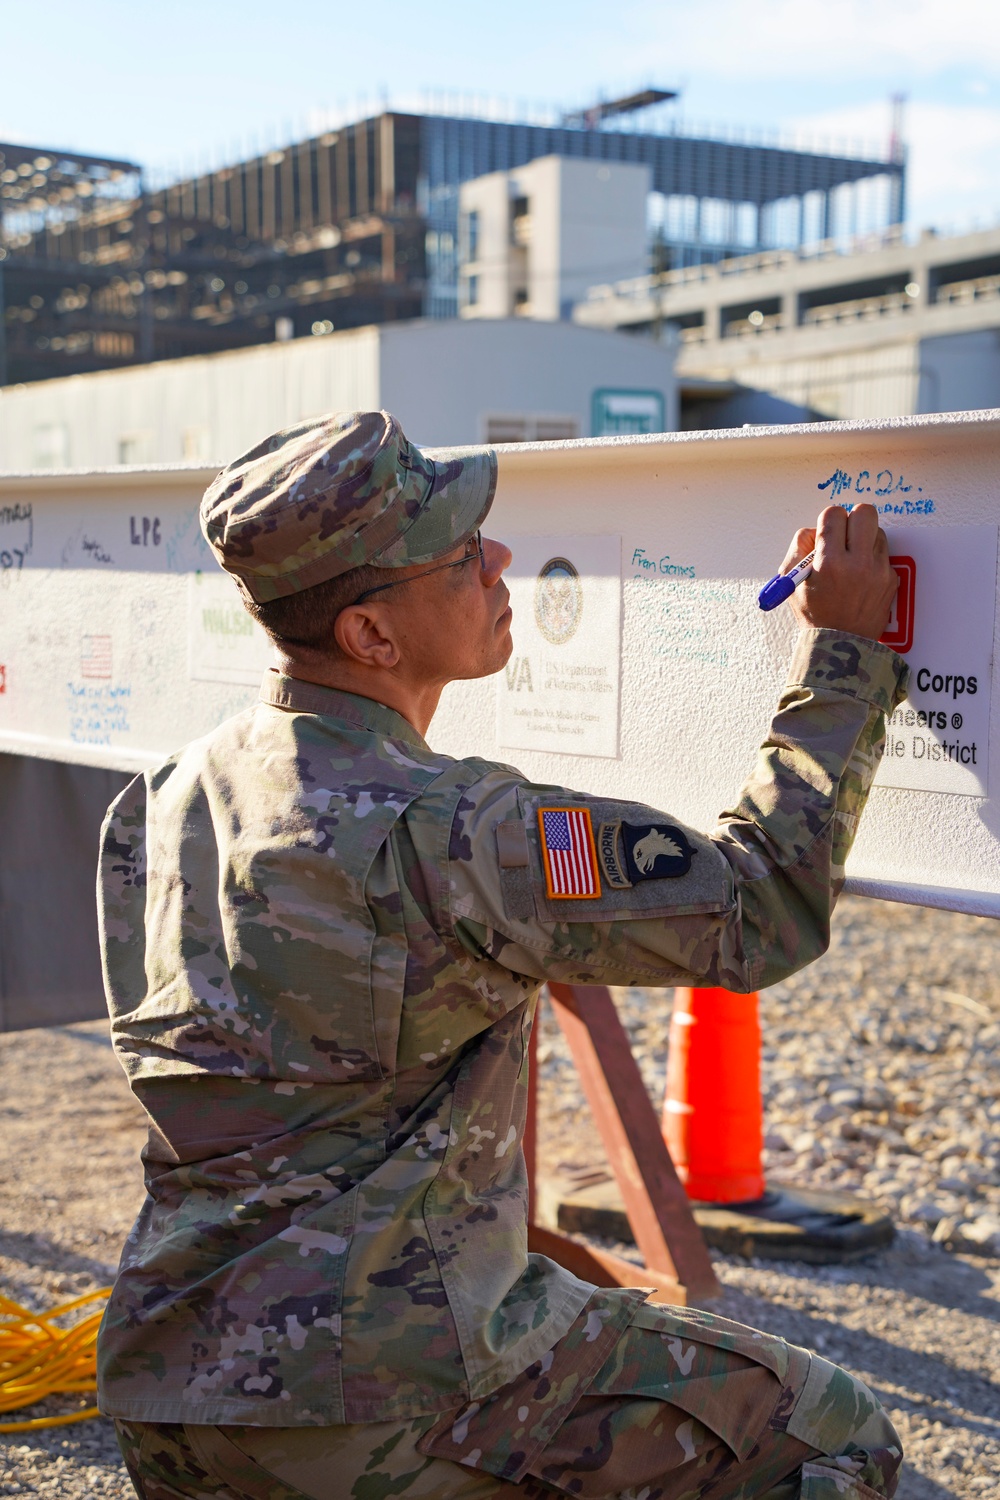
x=532 y=240
x=447 y=381
x=893 y=329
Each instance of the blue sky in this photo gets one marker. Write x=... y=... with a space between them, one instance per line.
x=180 y=85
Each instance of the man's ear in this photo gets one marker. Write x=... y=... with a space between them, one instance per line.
x=364 y=636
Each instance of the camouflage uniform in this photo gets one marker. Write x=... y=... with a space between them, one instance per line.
x=323 y=947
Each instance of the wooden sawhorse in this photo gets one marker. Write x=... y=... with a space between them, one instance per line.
x=677 y=1262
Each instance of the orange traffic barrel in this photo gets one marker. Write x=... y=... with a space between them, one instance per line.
x=712 y=1114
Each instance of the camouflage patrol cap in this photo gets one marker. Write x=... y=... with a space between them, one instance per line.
x=334 y=492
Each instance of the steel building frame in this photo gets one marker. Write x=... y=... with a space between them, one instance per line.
x=356 y=225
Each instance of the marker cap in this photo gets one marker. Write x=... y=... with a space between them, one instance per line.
x=777 y=591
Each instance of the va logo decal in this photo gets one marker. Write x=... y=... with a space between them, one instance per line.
x=558 y=601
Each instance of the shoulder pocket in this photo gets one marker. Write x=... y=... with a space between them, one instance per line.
x=624 y=861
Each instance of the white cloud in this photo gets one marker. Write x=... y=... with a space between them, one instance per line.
x=952 y=177
x=825 y=40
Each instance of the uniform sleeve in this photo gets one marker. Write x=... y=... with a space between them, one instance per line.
x=557 y=885
x=121 y=898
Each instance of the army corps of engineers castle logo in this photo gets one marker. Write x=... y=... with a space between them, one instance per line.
x=558 y=601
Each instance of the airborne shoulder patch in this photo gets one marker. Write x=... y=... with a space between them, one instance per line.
x=632 y=852
x=569 y=856
x=612 y=858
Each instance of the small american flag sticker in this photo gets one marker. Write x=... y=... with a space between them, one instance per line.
x=568 y=853
x=95 y=656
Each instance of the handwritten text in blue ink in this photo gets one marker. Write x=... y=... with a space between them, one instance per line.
x=884 y=483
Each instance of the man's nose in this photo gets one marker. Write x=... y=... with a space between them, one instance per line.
x=498 y=559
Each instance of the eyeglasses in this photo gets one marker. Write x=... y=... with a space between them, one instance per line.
x=475 y=543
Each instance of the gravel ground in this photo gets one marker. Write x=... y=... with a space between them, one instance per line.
x=70 y=1187
x=883 y=1084
x=875 y=1081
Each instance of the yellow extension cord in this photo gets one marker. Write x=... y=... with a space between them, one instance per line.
x=37 y=1359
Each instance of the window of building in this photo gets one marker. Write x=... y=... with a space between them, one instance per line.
x=505 y=429
x=555 y=429
x=195 y=444
x=532 y=427
x=135 y=448
x=472 y=295
x=51 y=446
x=472 y=234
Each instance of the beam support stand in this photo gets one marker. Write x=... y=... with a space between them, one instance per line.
x=677 y=1261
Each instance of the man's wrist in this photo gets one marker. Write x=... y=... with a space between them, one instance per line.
x=851 y=664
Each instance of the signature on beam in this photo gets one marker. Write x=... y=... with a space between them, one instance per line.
x=96 y=551
x=886 y=482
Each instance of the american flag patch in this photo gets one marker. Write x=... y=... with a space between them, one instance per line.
x=568 y=852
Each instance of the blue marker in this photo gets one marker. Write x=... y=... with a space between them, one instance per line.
x=782 y=585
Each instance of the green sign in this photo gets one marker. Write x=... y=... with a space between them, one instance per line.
x=615 y=413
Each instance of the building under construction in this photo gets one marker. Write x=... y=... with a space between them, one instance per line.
x=357 y=225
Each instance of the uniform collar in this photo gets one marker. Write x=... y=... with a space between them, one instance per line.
x=332 y=703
